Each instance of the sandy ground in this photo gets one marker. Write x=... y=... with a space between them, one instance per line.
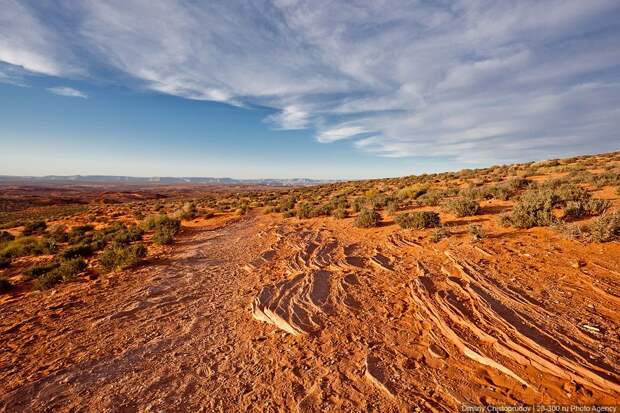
x=265 y=314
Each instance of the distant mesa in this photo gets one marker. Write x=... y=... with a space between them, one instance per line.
x=165 y=180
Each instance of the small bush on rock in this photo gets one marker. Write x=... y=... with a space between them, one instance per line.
x=418 y=220
x=605 y=228
x=367 y=218
x=462 y=207
x=122 y=256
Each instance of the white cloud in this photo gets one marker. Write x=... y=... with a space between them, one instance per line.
x=290 y=117
x=339 y=133
x=26 y=41
x=67 y=91
x=473 y=80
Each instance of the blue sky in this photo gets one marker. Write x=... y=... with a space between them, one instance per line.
x=317 y=89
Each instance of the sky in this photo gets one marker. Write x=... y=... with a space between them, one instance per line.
x=316 y=89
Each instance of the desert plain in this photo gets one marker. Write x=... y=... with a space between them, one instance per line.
x=496 y=286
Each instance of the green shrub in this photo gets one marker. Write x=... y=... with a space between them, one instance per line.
x=338 y=202
x=321 y=210
x=515 y=184
x=164 y=235
x=165 y=228
x=126 y=235
x=498 y=192
x=243 y=209
x=605 y=228
x=304 y=210
x=340 y=213
x=431 y=198
x=66 y=271
x=286 y=204
x=75 y=251
x=462 y=207
x=418 y=220
x=606 y=178
x=78 y=233
x=412 y=191
x=22 y=246
x=392 y=207
x=367 y=218
x=358 y=204
x=590 y=207
x=47 y=281
x=122 y=256
x=187 y=211
x=152 y=221
x=535 y=208
x=34 y=227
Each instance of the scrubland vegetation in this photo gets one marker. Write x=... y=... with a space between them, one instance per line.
x=577 y=198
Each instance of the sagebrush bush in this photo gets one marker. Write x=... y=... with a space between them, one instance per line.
x=392 y=207
x=34 y=227
x=75 y=251
x=412 y=191
x=165 y=228
x=164 y=235
x=358 y=204
x=367 y=218
x=418 y=220
x=188 y=211
x=577 y=209
x=153 y=221
x=340 y=213
x=65 y=271
x=125 y=235
x=605 y=228
x=304 y=210
x=431 y=198
x=535 y=206
x=243 y=209
x=462 y=207
x=22 y=246
x=286 y=204
x=122 y=256
x=77 y=234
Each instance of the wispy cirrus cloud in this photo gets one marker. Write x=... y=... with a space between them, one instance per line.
x=67 y=91
x=476 y=81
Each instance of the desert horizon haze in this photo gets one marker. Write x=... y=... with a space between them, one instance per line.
x=322 y=90
x=309 y=206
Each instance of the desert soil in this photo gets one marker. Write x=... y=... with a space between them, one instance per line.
x=264 y=314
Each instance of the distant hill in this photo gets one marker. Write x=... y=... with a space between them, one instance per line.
x=164 y=180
